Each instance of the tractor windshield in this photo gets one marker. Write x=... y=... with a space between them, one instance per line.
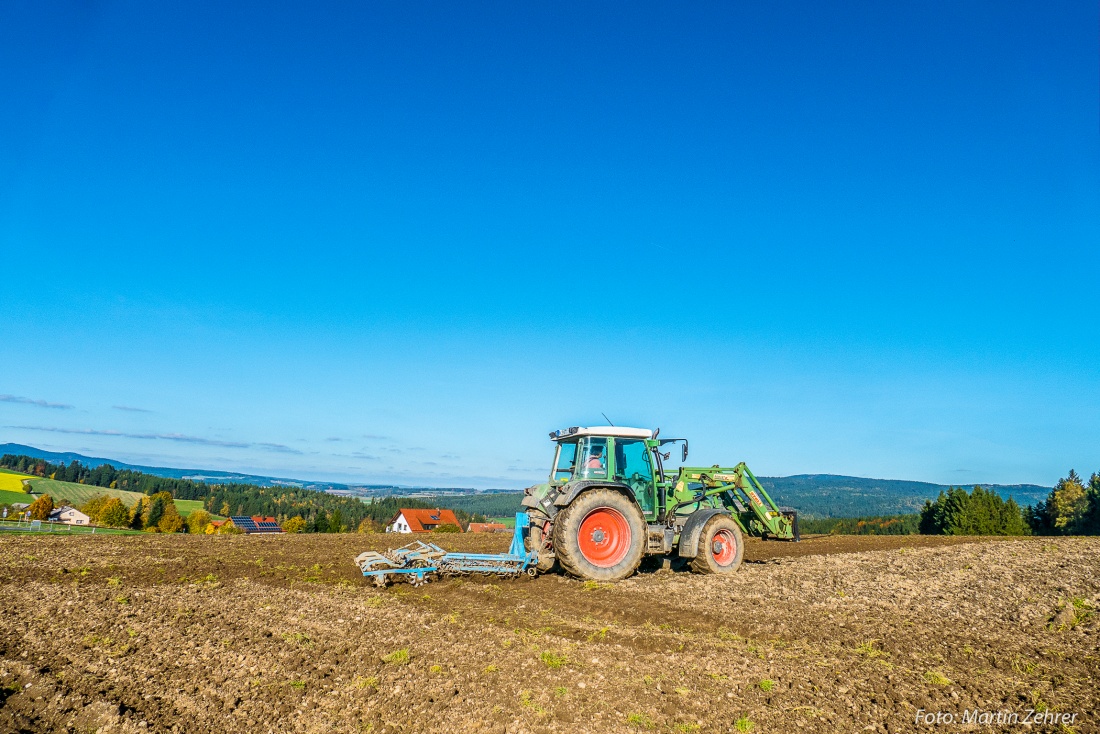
x=564 y=459
x=592 y=463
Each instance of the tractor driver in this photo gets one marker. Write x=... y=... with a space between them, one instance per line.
x=595 y=459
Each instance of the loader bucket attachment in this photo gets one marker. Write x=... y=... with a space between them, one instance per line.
x=739 y=492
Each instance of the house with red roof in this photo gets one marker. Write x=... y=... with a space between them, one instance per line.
x=487 y=527
x=421 y=521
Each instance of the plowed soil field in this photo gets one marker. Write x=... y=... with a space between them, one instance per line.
x=273 y=634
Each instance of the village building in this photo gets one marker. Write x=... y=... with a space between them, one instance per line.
x=257 y=524
x=214 y=526
x=487 y=527
x=69 y=516
x=421 y=521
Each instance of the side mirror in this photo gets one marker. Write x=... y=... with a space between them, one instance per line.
x=685 y=456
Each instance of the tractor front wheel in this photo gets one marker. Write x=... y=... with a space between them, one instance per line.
x=721 y=546
x=601 y=536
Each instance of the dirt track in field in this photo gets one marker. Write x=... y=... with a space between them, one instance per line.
x=212 y=634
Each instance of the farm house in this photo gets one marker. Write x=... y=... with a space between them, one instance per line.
x=421 y=521
x=69 y=516
x=487 y=527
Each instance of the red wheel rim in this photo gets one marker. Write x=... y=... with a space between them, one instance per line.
x=723 y=547
x=604 y=537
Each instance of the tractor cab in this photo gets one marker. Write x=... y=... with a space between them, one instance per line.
x=624 y=456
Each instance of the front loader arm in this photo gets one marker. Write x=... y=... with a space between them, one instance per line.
x=737 y=490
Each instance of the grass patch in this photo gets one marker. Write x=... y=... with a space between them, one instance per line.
x=600 y=634
x=527 y=699
x=397 y=657
x=553 y=660
x=869 y=650
x=364 y=682
x=298 y=685
x=766 y=685
x=297 y=637
x=744 y=724
x=1082 y=610
x=640 y=721
x=8 y=497
x=936 y=678
x=186 y=507
x=79 y=494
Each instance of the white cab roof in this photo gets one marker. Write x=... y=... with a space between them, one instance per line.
x=618 y=431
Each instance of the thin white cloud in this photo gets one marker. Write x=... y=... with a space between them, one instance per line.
x=131 y=409
x=177 y=437
x=31 y=401
x=277 y=447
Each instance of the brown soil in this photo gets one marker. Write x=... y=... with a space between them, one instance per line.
x=253 y=634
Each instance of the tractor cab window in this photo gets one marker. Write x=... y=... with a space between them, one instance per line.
x=634 y=467
x=593 y=458
x=563 y=465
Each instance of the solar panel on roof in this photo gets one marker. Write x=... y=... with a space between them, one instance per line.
x=245 y=523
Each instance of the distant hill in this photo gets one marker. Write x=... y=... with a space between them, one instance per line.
x=816 y=495
x=830 y=495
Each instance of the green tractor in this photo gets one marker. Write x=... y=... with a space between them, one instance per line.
x=610 y=502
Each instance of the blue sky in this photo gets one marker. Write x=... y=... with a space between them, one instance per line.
x=402 y=242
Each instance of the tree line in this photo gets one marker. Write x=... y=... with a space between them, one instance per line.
x=1071 y=508
x=877 y=525
x=979 y=512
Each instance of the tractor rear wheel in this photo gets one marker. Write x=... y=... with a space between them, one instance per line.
x=600 y=536
x=721 y=546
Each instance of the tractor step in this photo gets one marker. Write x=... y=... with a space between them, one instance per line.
x=659 y=539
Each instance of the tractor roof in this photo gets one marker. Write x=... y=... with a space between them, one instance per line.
x=618 y=431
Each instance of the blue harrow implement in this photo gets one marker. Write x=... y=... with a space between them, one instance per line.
x=418 y=562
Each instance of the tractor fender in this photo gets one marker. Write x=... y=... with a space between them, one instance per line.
x=571 y=491
x=693 y=528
